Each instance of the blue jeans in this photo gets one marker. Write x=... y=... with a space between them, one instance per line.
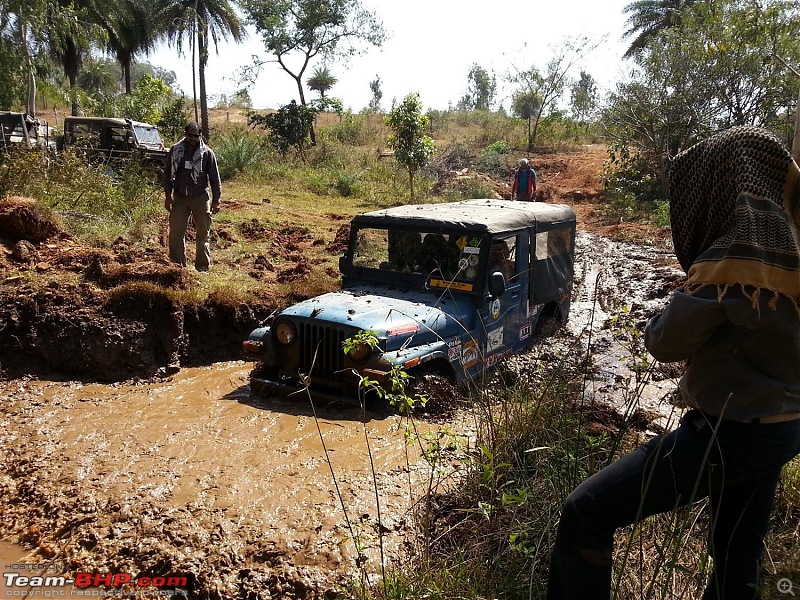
x=739 y=476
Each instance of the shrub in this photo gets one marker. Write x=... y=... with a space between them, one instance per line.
x=239 y=150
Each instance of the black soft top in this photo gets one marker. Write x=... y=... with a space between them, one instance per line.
x=484 y=215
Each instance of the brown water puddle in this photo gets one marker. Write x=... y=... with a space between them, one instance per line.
x=193 y=463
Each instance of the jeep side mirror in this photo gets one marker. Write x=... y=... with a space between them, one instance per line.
x=497 y=284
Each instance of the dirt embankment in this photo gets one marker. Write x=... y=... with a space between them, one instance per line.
x=107 y=324
x=118 y=321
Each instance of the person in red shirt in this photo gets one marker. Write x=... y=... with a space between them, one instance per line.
x=524 y=185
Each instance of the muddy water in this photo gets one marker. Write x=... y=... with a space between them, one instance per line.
x=188 y=476
x=618 y=288
x=269 y=480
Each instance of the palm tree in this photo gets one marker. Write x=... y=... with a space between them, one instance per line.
x=134 y=33
x=648 y=18
x=321 y=81
x=72 y=27
x=201 y=20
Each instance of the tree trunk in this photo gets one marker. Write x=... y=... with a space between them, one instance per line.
x=202 y=47
x=30 y=105
x=411 y=182
x=126 y=72
x=194 y=67
x=299 y=80
x=796 y=142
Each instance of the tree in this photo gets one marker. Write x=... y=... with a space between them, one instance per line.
x=648 y=18
x=21 y=33
x=289 y=126
x=73 y=27
x=296 y=31
x=583 y=97
x=321 y=81
x=550 y=86
x=134 y=32
x=204 y=22
x=713 y=70
x=377 y=94
x=412 y=147
x=526 y=105
x=481 y=89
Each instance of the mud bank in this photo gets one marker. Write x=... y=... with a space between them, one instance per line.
x=83 y=333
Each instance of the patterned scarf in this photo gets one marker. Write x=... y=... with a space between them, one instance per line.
x=197 y=160
x=735 y=210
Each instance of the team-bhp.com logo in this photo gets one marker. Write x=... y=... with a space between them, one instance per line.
x=162 y=585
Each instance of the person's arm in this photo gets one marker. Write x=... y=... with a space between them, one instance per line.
x=168 y=181
x=685 y=324
x=214 y=181
x=533 y=179
x=514 y=185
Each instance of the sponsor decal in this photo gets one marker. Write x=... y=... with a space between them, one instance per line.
x=401 y=329
x=472 y=250
x=495 y=308
x=534 y=311
x=453 y=285
x=496 y=358
x=469 y=354
x=454 y=349
x=463 y=263
x=494 y=340
x=525 y=332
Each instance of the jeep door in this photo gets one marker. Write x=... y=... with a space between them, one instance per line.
x=505 y=317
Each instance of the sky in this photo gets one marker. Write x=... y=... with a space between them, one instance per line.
x=431 y=46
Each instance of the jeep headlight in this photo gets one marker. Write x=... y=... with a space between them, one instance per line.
x=285 y=333
x=359 y=352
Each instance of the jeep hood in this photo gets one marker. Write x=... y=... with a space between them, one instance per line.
x=392 y=314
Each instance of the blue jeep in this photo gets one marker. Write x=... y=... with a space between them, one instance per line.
x=449 y=288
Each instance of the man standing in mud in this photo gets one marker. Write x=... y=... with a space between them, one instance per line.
x=524 y=186
x=191 y=169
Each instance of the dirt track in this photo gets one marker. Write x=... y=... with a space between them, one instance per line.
x=184 y=475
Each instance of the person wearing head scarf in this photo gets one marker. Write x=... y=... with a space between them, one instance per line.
x=524 y=185
x=735 y=209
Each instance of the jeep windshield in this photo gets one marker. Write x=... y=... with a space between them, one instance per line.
x=148 y=136
x=440 y=259
x=12 y=128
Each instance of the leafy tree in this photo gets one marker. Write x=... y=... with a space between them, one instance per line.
x=481 y=89
x=296 y=31
x=21 y=35
x=377 y=94
x=583 y=97
x=412 y=147
x=204 y=22
x=321 y=81
x=550 y=86
x=99 y=77
x=526 y=106
x=289 y=126
x=648 y=18
x=713 y=70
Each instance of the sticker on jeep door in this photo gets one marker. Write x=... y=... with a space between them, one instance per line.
x=494 y=340
x=469 y=355
x=454 y=351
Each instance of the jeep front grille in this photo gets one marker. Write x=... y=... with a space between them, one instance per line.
x=321 y=346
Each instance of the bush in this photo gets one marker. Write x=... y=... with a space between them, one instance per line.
x=239 y=150
x=350 y=130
